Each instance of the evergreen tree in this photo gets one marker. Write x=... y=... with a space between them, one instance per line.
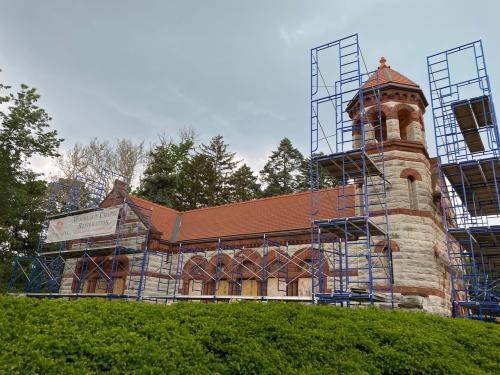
x=163 y=181
x=244 y=185
x=223 y=164
x=198 y=177
x=281 y=174
x=304 y=177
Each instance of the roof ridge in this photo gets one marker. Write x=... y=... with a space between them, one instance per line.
x=256 y=199
x=153 y=203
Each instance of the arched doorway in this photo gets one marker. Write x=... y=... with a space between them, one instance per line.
x=96 y=275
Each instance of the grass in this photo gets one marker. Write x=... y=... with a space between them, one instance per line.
x=93 y=336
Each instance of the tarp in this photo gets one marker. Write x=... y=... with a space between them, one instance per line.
x=92 y=224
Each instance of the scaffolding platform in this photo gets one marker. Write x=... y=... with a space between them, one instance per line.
x=482 y=110
x=472 y=114
x=92 y=251
x=350 y=227
x=488 y=240
x=353 y=296
x=464 y=238
x=483 y=241
x=349 y=164
x=476 y=183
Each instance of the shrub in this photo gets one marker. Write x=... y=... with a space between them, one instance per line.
x=93 y=336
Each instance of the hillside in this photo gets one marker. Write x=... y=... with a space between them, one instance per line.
x=85 y=336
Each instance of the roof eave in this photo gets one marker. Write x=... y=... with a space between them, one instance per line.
x=390 y=85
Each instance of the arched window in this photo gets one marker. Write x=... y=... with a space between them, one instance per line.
x=412 y=193
x=404 y=117
x=98 y=277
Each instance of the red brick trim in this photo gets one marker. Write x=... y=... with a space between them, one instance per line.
x=410 y=172
x=380 y=246
x=402 y=106
x=415 y=117
x=409 y=212
x=399 y=145
x=389 y=158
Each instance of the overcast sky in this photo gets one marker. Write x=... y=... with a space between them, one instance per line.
x=135 y=69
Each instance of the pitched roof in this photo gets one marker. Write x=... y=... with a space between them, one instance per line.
x=276 y=214
x=163 y=218
x=385 y=75
x=282 y=213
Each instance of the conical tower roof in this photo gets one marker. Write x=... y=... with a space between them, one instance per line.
x=385 y=78
x=385 y=75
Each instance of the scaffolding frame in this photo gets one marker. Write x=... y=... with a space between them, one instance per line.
x=220 y=272
x=347 y=142
x=42 y=273
x=467 y=144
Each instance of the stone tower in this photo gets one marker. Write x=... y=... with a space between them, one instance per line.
x=417 y=242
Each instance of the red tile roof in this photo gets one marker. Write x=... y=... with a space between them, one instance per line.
x=275 y=214
x=162 y=218
x=385 y=75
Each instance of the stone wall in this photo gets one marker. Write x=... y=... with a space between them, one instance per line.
x=421 y=276
x=132 y=236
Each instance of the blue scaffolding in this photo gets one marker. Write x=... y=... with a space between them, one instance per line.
x=467 y=144
x=90 y=262
x=347 y=143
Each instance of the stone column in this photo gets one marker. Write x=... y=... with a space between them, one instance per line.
x=414 y=131
x=370 y=134
x=392 y=125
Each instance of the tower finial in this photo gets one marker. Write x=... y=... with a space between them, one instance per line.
x=382 y=63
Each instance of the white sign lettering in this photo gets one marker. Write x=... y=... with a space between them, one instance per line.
x=92 y=224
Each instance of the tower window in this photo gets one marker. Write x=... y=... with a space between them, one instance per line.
x=404 y=118
x=389 y=263
x=412 y=193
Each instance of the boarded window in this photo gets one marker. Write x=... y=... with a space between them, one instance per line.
x=412 y=193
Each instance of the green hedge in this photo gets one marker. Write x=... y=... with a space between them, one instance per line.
x=89 y=336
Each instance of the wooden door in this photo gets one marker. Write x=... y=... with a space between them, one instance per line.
x=101 y=286
x=250 y=288
x=223 y=289
x=305 y=286
x=276 y=287
x=194 y=288
x=89 y=286
x=119 y=285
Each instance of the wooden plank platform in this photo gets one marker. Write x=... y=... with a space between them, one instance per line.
x=483 y=241
x=467 y=123
x=464 y=238
x=347 y=165
x=477 y=184
x=482 y=110
x=488 y=240
x=92 y=251
x=350 y=227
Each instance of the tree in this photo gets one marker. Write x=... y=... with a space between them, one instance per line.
x=304 y=178
x=243 y=185
x=127 y=157
x=75 y=162
x=92 y=159
x=281 y=174
x=24 y=133
x=162 y=181
x=197 y=180
x=223 y=164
